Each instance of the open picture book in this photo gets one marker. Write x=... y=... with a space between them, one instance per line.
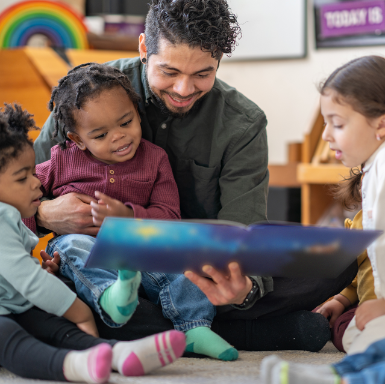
x=266 y=249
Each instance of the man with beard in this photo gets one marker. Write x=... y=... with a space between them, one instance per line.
x=216 y=142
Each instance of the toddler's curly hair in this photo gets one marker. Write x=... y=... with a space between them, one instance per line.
x=14 y=126
x=82 y=83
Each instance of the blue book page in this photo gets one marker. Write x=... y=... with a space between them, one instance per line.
x=263 y=249
x=296 y=250
x=168 y=246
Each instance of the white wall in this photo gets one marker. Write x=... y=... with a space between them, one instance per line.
x=286 y=89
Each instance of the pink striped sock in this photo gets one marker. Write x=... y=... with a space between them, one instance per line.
x=91 y=366
x=136 y=358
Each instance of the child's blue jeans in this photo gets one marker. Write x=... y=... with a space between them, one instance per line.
x=364 y=368
x=182 y=302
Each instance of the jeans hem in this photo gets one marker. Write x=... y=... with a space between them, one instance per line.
x=188 y=325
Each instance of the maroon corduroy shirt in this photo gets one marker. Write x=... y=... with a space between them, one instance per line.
x=145 y=183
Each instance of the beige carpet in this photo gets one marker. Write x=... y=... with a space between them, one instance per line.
x=201 y=371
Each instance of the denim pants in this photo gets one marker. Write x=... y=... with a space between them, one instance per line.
x=364 y=368
x=182 y=301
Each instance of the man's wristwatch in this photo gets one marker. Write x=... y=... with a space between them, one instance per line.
x=250 y=296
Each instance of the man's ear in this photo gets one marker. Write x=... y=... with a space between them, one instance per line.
x=142 y=46
x=219 y=61
x=73 y=136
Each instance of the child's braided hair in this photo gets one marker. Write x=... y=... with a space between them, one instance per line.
x=14 y=126
x=81 y=84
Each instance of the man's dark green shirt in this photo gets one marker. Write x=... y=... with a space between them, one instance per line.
x=218 y=152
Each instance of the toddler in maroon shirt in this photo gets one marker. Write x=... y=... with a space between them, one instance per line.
x=104 y=156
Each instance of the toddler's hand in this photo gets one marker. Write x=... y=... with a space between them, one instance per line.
x=332 y=309
x=107 y=206
x=368 y=311
x=51 y=265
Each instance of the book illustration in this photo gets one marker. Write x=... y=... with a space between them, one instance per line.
x=260 y=249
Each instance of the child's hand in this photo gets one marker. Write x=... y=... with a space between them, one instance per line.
x=51 y=265
x=107 y=206
x=332 y=309
x=368 y=311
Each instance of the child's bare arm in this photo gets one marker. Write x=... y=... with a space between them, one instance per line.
x=80 y=314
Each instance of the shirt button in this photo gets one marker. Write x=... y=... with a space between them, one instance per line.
x=363 y=195
x=112 y=171
x=112 y=180
x=164 y=126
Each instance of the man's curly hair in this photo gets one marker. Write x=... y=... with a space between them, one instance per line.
x=82 y=83
x=14 y=126
x=207 y=24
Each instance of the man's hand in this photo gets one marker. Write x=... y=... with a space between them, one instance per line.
x=67 y=214
x=222 y=289
x=51 y=265
x=107 y=206
x=332 y=309
x=368 y=311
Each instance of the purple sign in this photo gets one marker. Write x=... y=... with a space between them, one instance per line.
x=352 y=18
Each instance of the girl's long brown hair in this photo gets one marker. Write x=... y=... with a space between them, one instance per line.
x=361 y=84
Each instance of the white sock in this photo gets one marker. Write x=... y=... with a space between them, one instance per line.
x=274 y=370
x=90 y=366
x=136 y=358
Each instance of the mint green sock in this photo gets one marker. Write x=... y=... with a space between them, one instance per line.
x=204 y=341
x=121 y=298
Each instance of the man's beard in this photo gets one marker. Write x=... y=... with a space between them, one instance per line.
x=166 y=111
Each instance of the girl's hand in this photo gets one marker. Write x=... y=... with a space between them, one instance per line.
x=107 y=206
x=50 y=264
x=369 y=310
x=332 y=309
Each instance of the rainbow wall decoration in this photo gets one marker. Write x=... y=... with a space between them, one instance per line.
x=59 y=23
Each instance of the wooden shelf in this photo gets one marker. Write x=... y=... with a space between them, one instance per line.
x=283 y=175
x=52 y=68
x=322 y=173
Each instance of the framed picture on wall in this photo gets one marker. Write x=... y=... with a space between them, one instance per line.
x=352 y=23
x=271 y=29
